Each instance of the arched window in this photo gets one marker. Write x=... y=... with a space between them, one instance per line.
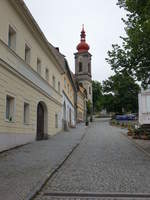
x=80 y=67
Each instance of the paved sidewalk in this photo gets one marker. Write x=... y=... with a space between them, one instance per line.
x=23 y=170
x=144 y=144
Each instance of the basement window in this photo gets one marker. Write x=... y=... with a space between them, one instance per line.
x=12 y=38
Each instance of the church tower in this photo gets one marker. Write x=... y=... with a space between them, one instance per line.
x=83 y=65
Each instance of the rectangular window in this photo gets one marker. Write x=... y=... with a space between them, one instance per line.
x=68 y=88
x=12 y=38
x=65 y=82
x=70 y=93
x=47 y=74
x=39 y=66
x=59 y=87
x=54 y=81
x=89 y=90
x=10 y=107
x=89 y=68
x=80 y=67
x=27 y=54
x=26 y=113
x=56 y=121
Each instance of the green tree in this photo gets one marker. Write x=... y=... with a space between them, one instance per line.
x=109 y=103
x=97 y=96
x=134 y=57
x=121 y=92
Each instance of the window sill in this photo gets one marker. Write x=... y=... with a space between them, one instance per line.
x=26 y=124
x=8 y=121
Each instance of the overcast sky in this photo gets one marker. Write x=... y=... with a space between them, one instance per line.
x=61 y=21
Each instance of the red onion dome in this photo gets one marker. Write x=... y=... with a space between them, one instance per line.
x=83 y=46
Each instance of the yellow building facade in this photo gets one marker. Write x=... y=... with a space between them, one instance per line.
x=69 y=98
x=31 y=79
x=81 y=104
x=39 y=95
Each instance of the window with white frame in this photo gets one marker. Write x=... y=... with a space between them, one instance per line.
x=12 y=38
x=47 y=74
x=56 y=120
x=54 y=81
x=38 y=66
x=27 y=54
x=10 y=108
x=26 y=113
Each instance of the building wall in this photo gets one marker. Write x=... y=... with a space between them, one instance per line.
x=69 y=106
x=144 y=106
x=81 y=107
x=68 y=88
x=88 y=86
x=68 y=100
x=21 y=81
x=26 y=34
x=12 y=85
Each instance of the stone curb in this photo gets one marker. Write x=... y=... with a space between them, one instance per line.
x=48 y=176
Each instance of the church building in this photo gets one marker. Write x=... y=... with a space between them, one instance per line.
x=83 y=76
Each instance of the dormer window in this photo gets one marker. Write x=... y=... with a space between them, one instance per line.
x=80 y=67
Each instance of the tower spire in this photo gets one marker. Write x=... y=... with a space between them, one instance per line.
x=83 y=35
x=83 y=46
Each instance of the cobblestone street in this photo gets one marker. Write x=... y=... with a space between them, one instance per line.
x=23 y=170
x=106 y=162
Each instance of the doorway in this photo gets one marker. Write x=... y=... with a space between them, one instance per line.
x=41 y=121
